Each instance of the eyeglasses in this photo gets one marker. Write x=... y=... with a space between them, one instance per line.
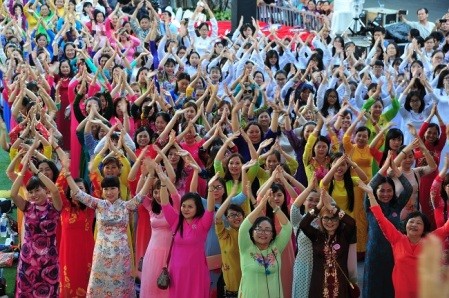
x=332 y=219
x=235 y=215
x=248 y=91
x=262 y=231
x=218 y=187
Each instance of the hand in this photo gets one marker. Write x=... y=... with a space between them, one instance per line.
x=365 y=187
x=213 y=179
x=266 y=143
x=412 y=129
x=249 y=164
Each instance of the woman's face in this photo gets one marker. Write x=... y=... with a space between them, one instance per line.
x=391 y=50
x=235 y=166
x=111 y=169
x=189 y=113
x=254 y=134
x=332 y=98
x=321 y=149
x=308 y=130
x=346 y=121
x=188 y=209
x=65 y=68
x=431 y=134
x=90 y=104
x=160 y=124
x=136 y=89
x=408 y=161
x=44 y=10
x=416 y=69
x=376 y=109
x=273 y=60
x=142 y=75
x=204 y=31
x=247 y=32
x=173 y=157
x=395 y=143
x=258 y=78
x=102 y=132
x=111 y=193
x=311 y=5
x=337 y=43
x=156 y=195
x=218 y=48
x=415 y=103
x=341 y=170
x=278 y=198
x=37 y=196
x=224 y=109
x=215 y=75
x=272 y=162
x=143 y=139
x=81 y=186
x=127 y=27
x=42 y=41
x=438 y=58
x=182 y=85
x=46 y=170
x=415 y=227
x=281 y=80
x=70 y=52
x=194 y=59
x=263 y=233
x=99 y=18
x=235 y=218
x=330 y=222
x=385 y=192
x=312 y=201
x=264 y=119
x=361 y=139
x=218 y=191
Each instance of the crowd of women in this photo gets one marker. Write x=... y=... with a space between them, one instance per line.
x=248 y=165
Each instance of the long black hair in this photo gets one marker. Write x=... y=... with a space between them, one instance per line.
x=348 y=183
x=393 y=133
x=199 y=210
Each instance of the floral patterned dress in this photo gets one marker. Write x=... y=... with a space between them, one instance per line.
x=111 y=264
x=38 y=270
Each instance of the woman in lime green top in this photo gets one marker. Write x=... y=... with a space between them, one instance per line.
x=375 y=106
x=260 y=251
x=233 y=170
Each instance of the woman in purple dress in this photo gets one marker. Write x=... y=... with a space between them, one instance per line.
x=38 y=270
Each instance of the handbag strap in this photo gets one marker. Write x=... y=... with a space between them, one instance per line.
x=169 y=251
x=350 y=283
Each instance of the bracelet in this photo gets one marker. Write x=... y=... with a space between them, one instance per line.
x=20 y=137
x=402 y=151
x=276 y=209
x=163 y=185
x=57 y=147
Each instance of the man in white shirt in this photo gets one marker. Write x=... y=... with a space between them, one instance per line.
x=423 y=25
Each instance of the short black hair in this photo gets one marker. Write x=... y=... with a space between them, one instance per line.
x=110 y=181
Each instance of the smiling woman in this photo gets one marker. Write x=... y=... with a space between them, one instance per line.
x=406 y=248
x=260 y=251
